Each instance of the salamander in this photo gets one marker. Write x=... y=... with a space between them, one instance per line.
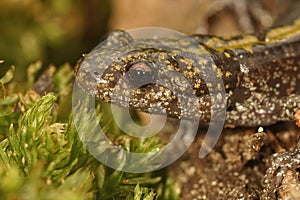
x=260 y=75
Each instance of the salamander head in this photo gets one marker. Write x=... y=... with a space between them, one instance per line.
x=165 y=75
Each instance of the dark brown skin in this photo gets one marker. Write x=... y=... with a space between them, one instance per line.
x=256 y=80
x=266 y=83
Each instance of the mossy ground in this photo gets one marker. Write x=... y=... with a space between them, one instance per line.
x=42 y=156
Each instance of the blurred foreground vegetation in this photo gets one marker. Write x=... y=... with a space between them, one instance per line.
x=53 y=31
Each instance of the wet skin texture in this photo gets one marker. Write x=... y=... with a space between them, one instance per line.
x=255 y=79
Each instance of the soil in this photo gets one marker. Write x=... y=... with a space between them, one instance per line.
x=245 y=164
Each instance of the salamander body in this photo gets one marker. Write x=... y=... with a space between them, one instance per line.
x=256 y=80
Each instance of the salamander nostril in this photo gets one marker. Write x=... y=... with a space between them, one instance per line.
x=96 y=73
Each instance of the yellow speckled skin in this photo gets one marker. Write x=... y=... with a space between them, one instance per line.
x=260 y=75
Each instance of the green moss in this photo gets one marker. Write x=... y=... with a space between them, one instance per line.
x=42 y=157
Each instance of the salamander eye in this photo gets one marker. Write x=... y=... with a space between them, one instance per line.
x=141 y=74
